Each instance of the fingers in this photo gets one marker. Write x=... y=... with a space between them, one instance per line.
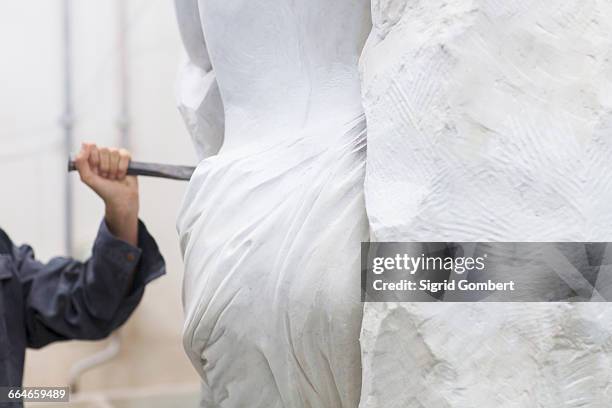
x=104 y=167
x=94 y=158
x=108 y=163
x=124 y=161
x=113 y=159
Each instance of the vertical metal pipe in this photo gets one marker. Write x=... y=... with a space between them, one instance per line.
x=123 y=122
x=68 y=121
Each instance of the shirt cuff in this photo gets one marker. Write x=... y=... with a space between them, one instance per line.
x=144 y=261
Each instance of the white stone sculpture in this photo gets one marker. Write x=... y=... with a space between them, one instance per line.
x=488 y=121
x=271 y=224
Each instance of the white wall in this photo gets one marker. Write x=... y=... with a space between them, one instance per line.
x=32 y=162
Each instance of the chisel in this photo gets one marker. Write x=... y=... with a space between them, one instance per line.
x=168 y=171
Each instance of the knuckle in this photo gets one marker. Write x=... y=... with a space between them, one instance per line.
x=126 y=154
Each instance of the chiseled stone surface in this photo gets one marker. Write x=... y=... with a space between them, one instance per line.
x=488 y=121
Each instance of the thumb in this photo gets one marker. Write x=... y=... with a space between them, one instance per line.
x=82 y=164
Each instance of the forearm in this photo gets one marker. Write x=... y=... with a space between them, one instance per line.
x=122 y=221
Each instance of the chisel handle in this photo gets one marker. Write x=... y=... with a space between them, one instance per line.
x=168 y=171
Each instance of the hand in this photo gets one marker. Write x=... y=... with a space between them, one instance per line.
x=104 y=170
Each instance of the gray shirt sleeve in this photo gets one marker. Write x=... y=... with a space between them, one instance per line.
x=67 y=299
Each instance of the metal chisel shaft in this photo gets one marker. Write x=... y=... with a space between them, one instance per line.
x=168 y=171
